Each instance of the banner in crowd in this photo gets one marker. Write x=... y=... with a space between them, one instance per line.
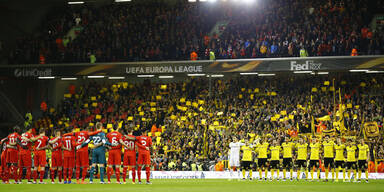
x=338 y=63
x=371 y=129
x=234 y=175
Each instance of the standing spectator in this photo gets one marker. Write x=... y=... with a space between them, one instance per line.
x=193 y=56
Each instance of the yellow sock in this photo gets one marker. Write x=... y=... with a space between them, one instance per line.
x=243 y=173
x=306 y=173
x=260 y=173
x=333 y=173
x=278 y=173
x=366 y=174
x=266 y=173
x=337 y=173
x=250 y=173
x=285 y=173
x=354 y=174
x=272 y=173
x=298 y=173
x=349 y=173
x=291 y=173
x=318 y=173
x=312 y=173
x=344 y=174
x=359 y=173
x=326 y=173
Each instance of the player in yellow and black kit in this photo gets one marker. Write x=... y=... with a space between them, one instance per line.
x=314 y=158
x=287 y=157
x=275 y=159
x=328 y=146
x=246 y=161
x=351 y=160
x=363 y=159
x=301 y=159
x=262 y=158
x=339 y=159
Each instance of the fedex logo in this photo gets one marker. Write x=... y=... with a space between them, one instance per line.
x=308 y=65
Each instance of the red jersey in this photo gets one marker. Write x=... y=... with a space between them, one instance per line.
x=41 y=142
x=12 y=139
x=56 y=146
x=70 y=143
x=142 y=142
x=5 y=143
x=130 y=144
x=81 y=137
x=26 y=145
x=114 y=138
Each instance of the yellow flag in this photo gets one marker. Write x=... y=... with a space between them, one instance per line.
x=188 y=103
x=141 y=113
x=143 y=119
x=194 y=104
x=240 y=96
x=314 y=89
x=256 y=90
x=273 y=93
x=152 y=104
x=173 y=117
x=182 y=100
x=158 y=97
x=183 y=118
x=163 y=87
x=91 y=124
x=153 y=109
x=130 y=118
x=109 y=126
x=273 y=118
x=201 y=102
x=98 y=116
x=349 y=105
x=93 y=98
x=94 y=104
x=323 y=89
x=203 y=121
x=216 y=123
x=283 y=112
x=326 y=83
x=67 y=95
x=201 y=109
x=86 y=105
x=291 y=116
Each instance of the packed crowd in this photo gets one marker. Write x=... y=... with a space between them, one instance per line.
x=192 y=126
x=142 y=31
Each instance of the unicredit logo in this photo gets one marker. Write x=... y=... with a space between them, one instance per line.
x=34 y=72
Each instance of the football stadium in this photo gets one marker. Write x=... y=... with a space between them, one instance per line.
x=192 y=95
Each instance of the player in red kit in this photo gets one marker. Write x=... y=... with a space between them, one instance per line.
x=57 y=157
x=4 y=166
x=114 y=158
x=25 y=157
x=13 y=152
x=40 y=159
x=69 y=147
x=129 y=155
x=144 y=144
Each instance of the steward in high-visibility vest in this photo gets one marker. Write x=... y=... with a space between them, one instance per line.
x=303 y=53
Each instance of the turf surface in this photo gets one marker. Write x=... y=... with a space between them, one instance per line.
x=206 y=185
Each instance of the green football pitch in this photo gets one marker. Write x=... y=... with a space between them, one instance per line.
x=205 y=185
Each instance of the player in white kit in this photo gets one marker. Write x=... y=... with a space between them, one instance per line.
x=234 y=156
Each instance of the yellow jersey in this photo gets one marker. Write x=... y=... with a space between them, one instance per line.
x=328 y=149
x=351 y=153
x=363 y=151
x=247 y=153
x=302 y=151
x=287 y=149
x=275 y=152
x=262 y=150
x=339 y=152
x=315 y=151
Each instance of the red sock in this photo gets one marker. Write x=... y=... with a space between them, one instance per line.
x=20 y=173
x=65 y=174
x=35 y=175
x=109 y=173
x=133 y=174
x=70 y=173
x=84 y=173
x=41 y=176
x=139 y=173
x=28 y=174
x=125 y=173
x=52 y=175
x=117 y=173
x=14 y=172
x=77 y=173
x=60 y=174
x=148 y=173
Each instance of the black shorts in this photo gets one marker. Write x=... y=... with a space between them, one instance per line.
x=362 y=164
x=313 y=163
x=262 y=162
x=351 y=165
x=287 y=162
x=328 y=162
x=275 y=164
x=339 y=164
x=246 y=164
x=301 y=163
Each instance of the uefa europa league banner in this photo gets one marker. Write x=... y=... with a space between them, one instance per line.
x=338 y=63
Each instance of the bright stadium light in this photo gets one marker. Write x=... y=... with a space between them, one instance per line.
x=248 y=1
x=145 y=76
x=48 y=77
x=75 y=2
x=323 y=73
x=68 y=78
x=202 y=0
x=217 y=75
x=266 y=74
x=96 y=77
x=114 y=78
x=196 y=75
x=374 y=71
x=253 y=73
x=120 y=1
x=166 y=76
x=301 y=72
x=191 y=1
x=358 y=70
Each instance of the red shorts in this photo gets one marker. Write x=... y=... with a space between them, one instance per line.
x=114 y=157
x=57 y=159
x=12 y=156
x=129 y=159
x=25 y=158
x=40 y=159
x=69 y=162
x=144 y=159
x=82 y=159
